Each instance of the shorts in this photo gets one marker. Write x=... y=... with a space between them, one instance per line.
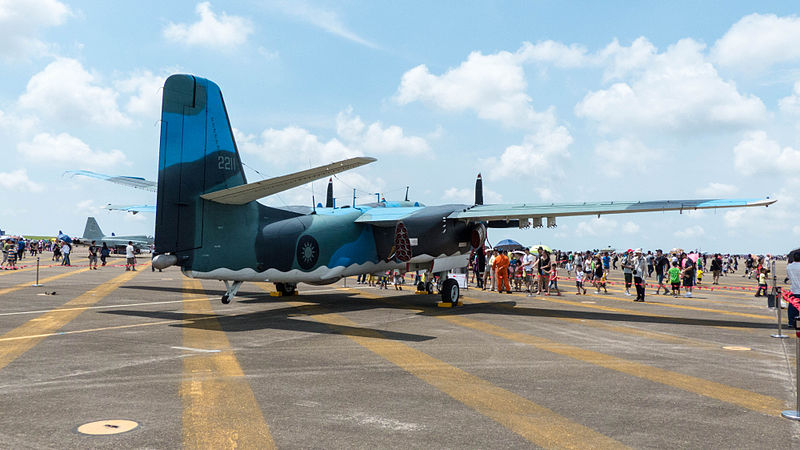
x=579 y=284
x=676 y=285
x=92 y=259
x=716 y=272
x=688 y=282
x=131 y=261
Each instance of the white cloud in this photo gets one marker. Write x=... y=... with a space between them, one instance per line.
x=596 y=227
x=674 y=91
x=791 y=104
x=622 y=61
x=757 y=154
x=538 y=155
x=214 y=31
x=324 y=19
x=758 y=41
x=630 y=228
x=67 y=92
x=467 y=196
x=623 y=156
x=375 y=139
x=555 y=53
x=89 y=208
x=354 y=138
x=693 y=231
x=63 y=148
x=493 y=86
x=717 y=190
x=18 y=180
x=21 y=23
x=145 y=93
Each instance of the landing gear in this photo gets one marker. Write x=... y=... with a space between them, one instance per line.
x=450 y=291
x=231 y=288
x=286 y=289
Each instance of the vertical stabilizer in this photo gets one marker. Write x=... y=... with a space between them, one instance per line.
x=197 y=155
x=92 y=230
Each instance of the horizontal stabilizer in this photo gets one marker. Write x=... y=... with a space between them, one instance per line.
x=135 y=182
x=132 y=208
x=239 y=195
x=523 y=211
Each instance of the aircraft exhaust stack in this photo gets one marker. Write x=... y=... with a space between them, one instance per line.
x=329 y=198
x=164 y=261
x=479 y=190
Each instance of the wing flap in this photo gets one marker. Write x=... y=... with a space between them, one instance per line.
x=524 y=211
x=239 y=195
x=386 y=216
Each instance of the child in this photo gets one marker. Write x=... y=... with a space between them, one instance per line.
x=579 y=276
x=602 y=283
x=398 y=280
x=675 y=279
x=554 y=280
x=762 y=280
x=12 y=257
x=699 y=275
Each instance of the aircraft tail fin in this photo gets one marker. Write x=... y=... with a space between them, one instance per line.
x=92 y=229
x=197 y=155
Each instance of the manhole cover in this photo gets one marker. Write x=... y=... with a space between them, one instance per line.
x=736 y=348
x=113 y=426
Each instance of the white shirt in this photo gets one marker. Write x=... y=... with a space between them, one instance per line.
x=129 y=251
x=65 y=249
x=527 y=262
x=793 y=270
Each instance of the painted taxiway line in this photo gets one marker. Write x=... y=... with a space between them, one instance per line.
x=533 y=422
x=127 y=305
x=17 y=287
x=9 y=272
x=711 y=389
x=219 y=407
x=49 y=322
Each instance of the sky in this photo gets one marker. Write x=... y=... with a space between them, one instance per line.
x=551 y=101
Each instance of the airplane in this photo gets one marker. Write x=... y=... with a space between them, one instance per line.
x=210 y=224
x=92 y=232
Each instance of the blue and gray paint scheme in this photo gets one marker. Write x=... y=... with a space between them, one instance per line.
x=253 y=242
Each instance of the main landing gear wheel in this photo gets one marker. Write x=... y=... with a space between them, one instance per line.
x=286 y=289
x=225 y=299
x=450 y=291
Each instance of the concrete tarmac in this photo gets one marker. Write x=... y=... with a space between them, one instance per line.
x=352 y=366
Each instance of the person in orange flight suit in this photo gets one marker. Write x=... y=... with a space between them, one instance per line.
x=501 y=263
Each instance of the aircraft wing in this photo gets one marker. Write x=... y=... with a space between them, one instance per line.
x=239 y=195
x=135 y=182
x=553 y=210
x=132 y=208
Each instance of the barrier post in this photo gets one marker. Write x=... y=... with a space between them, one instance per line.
x=795 y=413
x=776 y=295
x=37 y=273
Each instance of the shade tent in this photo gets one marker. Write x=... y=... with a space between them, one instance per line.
x=508 y=245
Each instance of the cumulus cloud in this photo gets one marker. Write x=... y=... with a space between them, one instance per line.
x=674 y=91
x=354 y=138
x=66 y=92
x=375 y=138
x=18 y=180
x=555 y=53
x=324 y=19
x=758 y=41
x=791 y=103
x=144 y=89
x=493 y=86
x=64 y=148
x=630 y=228
x=467 y=196
x=212 y=30
x=21 y=23
x=538 y=155
x=717 y=190
x=693 y=231
x=624 y=155
x=758 y=154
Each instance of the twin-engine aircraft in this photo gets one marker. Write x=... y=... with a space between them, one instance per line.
x=209 y=222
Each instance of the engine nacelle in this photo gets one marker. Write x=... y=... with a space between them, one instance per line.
x=478 y=235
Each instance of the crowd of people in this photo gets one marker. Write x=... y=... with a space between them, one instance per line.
x=538 y=273
x=15 y=248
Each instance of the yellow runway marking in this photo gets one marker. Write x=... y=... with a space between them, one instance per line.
x=42 y=281
x=220 y=410
x=728 y=394
x=533 y=422
x=49 y=322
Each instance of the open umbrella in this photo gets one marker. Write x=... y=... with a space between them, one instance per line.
x=507 y=245
x=535 y=248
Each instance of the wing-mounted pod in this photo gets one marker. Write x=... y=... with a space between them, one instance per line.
x=477 y=235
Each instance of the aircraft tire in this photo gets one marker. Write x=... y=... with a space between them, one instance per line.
x=226 y=299
x=450 y=291
x=420 y=286
x=429 y=287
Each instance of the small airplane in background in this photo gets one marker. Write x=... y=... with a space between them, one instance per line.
x=92 y=232
x=210 y=224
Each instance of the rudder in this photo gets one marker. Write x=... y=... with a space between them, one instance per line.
x=92 y=229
